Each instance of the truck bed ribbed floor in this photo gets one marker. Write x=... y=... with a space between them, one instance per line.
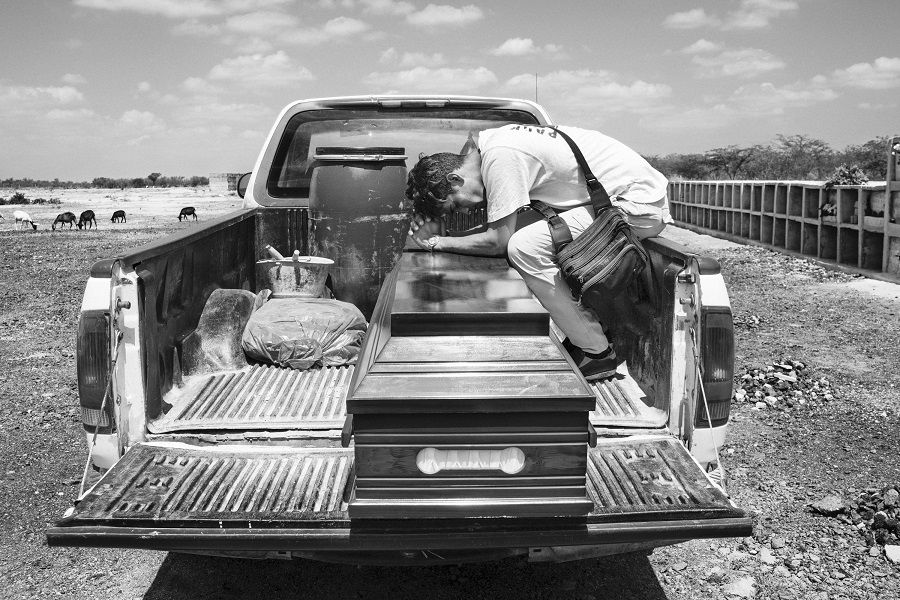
x=272 y=398
x=620 y=404
x=259 y=397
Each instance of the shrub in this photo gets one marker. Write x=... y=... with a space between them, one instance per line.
x=844 y=175
x=18 y=198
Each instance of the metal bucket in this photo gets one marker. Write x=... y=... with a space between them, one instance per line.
x=304 y=276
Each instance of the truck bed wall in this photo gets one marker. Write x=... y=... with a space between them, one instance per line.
x=175 y=277
x=641 y=322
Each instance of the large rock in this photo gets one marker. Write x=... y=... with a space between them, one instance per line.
x=745 y=587
x=892 y=552
x=891 y=498
x=829 y=506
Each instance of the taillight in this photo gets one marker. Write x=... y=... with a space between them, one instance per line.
x=93 y=371
x=717 y=365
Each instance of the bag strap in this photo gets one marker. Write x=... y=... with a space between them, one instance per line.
x=559 y=231
x=599 y=198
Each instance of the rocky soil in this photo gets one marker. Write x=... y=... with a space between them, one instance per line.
x=799 y=328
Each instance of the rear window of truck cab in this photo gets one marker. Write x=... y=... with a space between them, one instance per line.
x=376 y=135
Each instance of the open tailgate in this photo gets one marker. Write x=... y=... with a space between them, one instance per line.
x=179 y=497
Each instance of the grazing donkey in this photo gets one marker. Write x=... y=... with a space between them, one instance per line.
x=62 y=219
x=87 y=219
x=187 y=211
x=119 y=217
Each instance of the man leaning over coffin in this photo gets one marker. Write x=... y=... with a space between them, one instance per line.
x=507 y=167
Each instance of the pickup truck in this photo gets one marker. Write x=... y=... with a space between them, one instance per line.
x=463 y=432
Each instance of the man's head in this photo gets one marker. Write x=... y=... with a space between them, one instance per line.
x=445 y=182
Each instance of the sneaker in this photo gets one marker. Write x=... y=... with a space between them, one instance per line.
x=598 y=366
x=593 y=366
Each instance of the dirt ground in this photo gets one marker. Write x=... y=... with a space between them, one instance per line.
x=780 y=460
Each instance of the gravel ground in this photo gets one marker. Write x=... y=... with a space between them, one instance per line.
x=781 y=459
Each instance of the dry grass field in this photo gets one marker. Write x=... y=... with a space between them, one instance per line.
x=780 y=459
x=144 y=207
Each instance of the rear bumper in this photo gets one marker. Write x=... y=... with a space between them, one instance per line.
x=324 y=538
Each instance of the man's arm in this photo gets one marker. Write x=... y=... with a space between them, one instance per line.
x=490 y=242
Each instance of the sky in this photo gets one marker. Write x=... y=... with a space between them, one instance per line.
x=123 y=88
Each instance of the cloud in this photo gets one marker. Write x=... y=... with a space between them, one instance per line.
x=442 y=80
x=690 y=19
x=16 y=97
x=876 y=106
x=140 y=121
x=144 y=87
x=196 y=28
x=332 y=4
x=261 y=23
x=758 y=14
x=744 y=62
x=387 y=7
x=198 y=86
x=74 y=115
x=253 y=45
x=73 y=79
x=411 y=59
x=747 y=102
x=439 y=15
x=586 y=90
x=765 y=99
x=180 y=9
x=752 y=14
x=524 y=47
x=335 y=29
x=212 y=114
x=259 y=70
x=690 y=119
x=881 y=74
x=701 y=46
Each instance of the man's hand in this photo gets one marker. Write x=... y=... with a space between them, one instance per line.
x=421 y=229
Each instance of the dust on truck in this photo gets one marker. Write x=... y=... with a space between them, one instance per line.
x=462 y=432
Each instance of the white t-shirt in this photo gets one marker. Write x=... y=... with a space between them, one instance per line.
x=520 y=163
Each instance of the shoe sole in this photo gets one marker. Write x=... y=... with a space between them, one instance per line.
x=599 y=376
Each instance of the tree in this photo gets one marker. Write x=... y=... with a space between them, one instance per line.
x=153 y=177
x=804 y=157
x=730 y=159
x=871 y=157
x=680 y=166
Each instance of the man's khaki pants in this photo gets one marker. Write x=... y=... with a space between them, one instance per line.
x=530 y=251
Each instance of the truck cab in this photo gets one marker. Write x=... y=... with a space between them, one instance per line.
x=463 y=430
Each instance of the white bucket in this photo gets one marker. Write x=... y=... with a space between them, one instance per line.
x=302 y=276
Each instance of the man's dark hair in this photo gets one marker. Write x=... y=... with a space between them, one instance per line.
x=427 y=184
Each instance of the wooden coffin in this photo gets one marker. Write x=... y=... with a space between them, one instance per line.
x=469 y=408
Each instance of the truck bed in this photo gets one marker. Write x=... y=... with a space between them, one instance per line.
x=262 y=397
